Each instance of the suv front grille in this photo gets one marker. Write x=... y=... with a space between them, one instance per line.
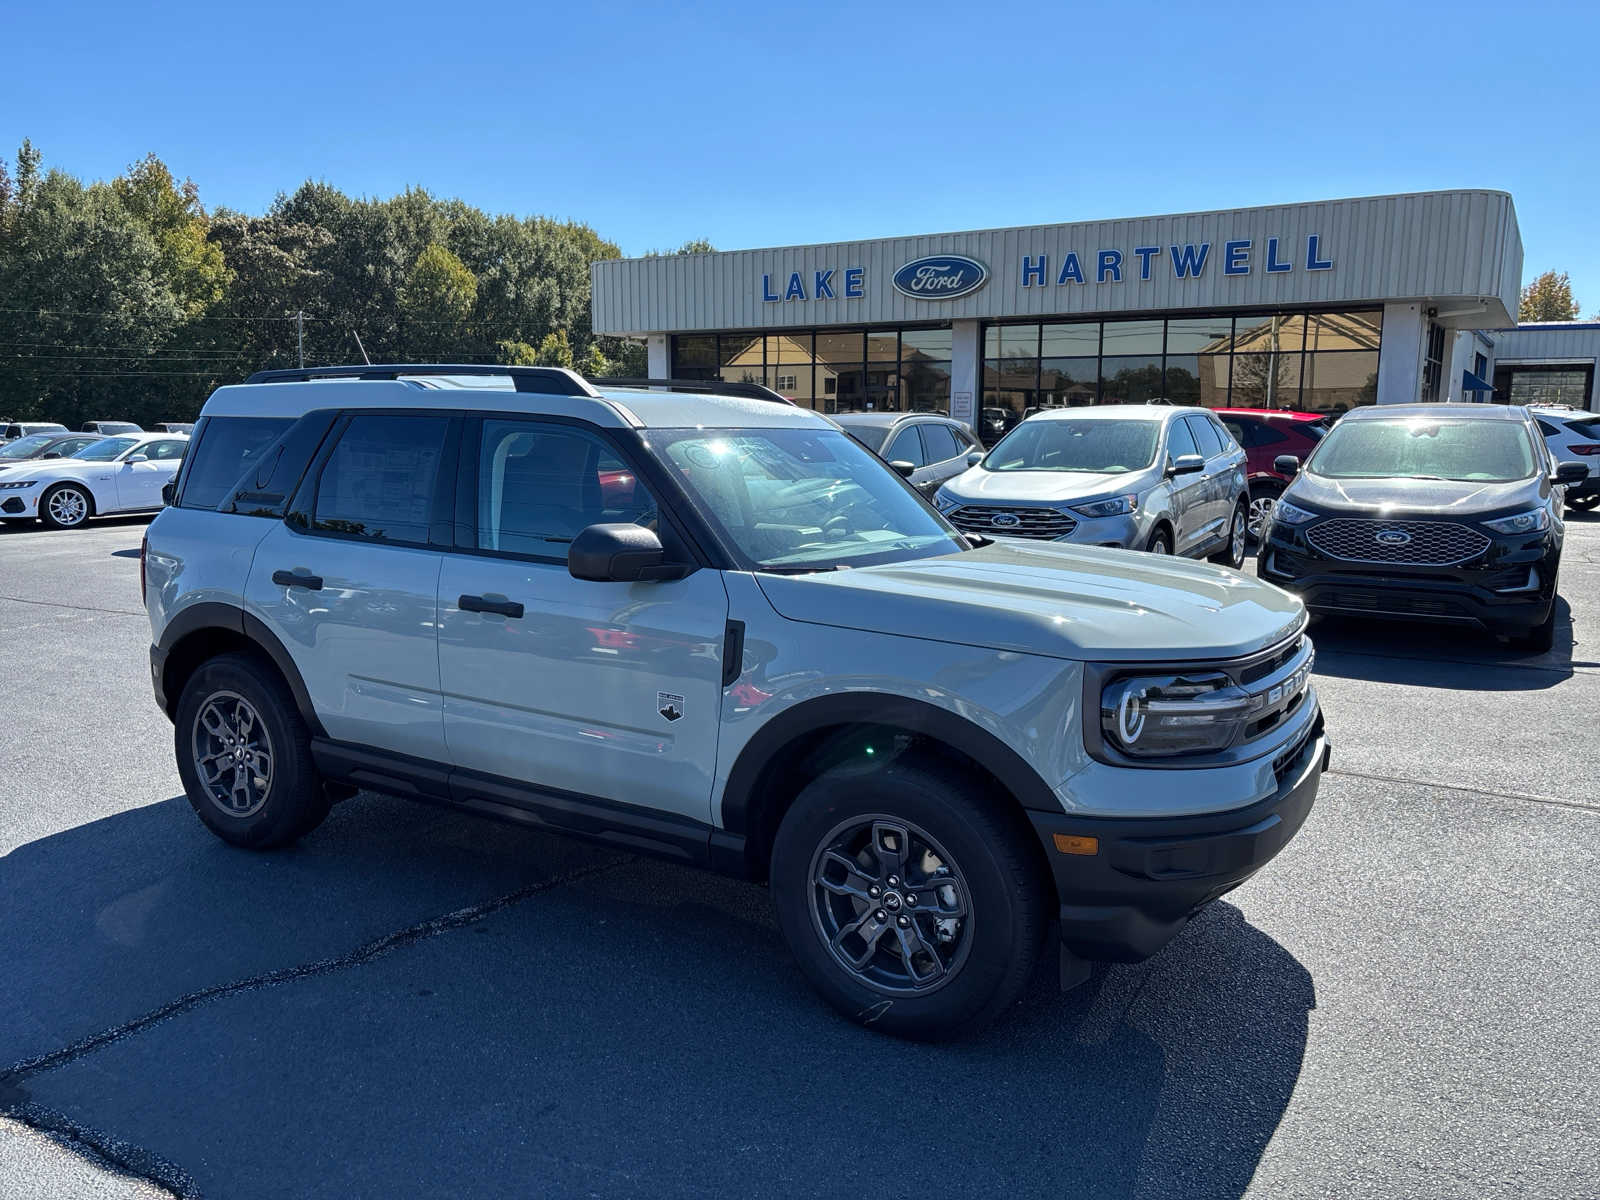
x=1046 y=524
x=1401 y=543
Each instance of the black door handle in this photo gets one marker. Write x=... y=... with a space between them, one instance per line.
x=483 y=604
x=312 y=583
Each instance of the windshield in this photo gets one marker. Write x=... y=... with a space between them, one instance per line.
x=1478 y=451
x=803 y=499
x=105 y=449
x=1097 y=445
x=23 y=447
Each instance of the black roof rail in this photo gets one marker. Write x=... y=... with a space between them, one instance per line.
x=706 y=387
x=551 y=381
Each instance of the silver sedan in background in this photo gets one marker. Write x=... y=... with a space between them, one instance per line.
x=1164 y=479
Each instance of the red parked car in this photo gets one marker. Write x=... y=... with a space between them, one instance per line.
x=1266 y=433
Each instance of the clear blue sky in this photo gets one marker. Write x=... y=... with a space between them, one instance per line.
x=760 y=124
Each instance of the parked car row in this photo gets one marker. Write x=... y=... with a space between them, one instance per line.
x=65 y=480
x=11 y=431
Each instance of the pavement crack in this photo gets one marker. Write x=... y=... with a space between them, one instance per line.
x=12 y=1078
x=1487 y=793
x=119 y=612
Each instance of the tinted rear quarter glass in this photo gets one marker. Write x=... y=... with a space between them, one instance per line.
x=219 y=453
x=266 y=485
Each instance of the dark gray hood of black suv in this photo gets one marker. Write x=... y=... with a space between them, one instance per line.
x=1469 y=499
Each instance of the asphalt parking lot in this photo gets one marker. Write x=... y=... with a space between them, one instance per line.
x=1406 y=1003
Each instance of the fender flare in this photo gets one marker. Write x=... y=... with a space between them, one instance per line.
x=231 y=619
x=875 y=708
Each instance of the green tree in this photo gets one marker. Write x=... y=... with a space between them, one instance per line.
x=555 y=350
x=192 y=266
x=595 y=363
x=516 y=354
x=436 y=304
x=1548 y=298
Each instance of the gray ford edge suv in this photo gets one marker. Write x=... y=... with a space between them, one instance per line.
x=1143 y=477
x=719 y=630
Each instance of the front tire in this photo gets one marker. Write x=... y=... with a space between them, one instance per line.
x=1160 y=542
x=910 y=899
x=1232 y=554
x=66 y=506
x=1583 y=503
x=1540 y=638
x=244 y=755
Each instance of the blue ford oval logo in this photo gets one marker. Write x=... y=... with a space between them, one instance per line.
x=1392 y=537
x=1005 y=520
x=940 y=277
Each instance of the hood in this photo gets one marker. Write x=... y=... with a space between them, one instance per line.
x=1077 y=602
x=1403 y=497
x=978 y=486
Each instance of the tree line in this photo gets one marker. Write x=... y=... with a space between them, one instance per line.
x=129 y=299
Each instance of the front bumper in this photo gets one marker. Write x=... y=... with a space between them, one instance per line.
x=15 y=505
x=1510 y=588
x=1148 y=876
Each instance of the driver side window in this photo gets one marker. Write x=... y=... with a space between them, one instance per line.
x=906 y=447
x=541 y=484
x=1179 y=441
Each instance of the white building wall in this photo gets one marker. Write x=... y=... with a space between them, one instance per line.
x=1400 y=353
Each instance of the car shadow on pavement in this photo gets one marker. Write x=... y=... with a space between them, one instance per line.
x=637 y=1029
x=1441 y=656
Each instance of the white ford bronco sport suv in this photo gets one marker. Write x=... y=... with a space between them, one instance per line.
x=715 y=628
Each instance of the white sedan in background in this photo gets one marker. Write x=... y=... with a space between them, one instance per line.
x=122 y=474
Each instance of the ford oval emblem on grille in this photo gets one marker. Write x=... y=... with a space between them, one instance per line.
x=1005 y=520
x=940 y=277
x=1392 y=537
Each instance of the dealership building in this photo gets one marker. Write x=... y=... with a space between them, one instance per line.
x=1320 y=306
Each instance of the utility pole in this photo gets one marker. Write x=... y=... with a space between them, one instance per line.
x=300 y=334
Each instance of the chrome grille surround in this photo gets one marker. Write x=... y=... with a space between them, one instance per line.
x=1397 y=543
x=1037 y=522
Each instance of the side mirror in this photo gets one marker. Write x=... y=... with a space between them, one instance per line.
x=1186 y=464
x=169 y=492
x=136 y=458
x=620 y=553
x=1571 y=472
x=974 y=457
x=1286 y=464
x=903 y=468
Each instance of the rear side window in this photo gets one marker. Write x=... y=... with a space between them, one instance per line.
x=940 y=442
x=163 y=451
x=221 y=450
x=1205 y=437
x=1546 y=428
x=380 y=480
x=265 y=487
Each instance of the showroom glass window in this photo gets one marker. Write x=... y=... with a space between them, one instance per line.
x=833 y=370
x=1318 y=362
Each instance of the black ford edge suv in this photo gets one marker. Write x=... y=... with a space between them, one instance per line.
x=1433 y=512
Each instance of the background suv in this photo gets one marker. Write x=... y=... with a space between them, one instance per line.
x=1573 y=436
x=936 y=447
x=1141 y=477
x=1266 y=433
x=768 y=655
x=1438 y=512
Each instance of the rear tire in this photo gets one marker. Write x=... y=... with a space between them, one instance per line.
x=1232 y=554
x=959 y=929
x=66 y=506
x=244 y=755
x=1583 y=503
